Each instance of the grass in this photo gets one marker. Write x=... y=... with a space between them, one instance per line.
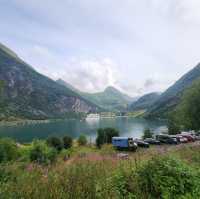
x=100 y=173
x=138 y=113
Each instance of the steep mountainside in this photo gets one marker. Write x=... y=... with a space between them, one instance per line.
x=144 y=102
x=171 y=97
x=28 y=94
x=62 y=82
x=110 y=99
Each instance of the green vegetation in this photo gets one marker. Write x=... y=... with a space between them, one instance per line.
x=139 y=113
x=147 y=134
x=144 y=102
x=82 y=140
x=167 y=177
x=110 y=99
x=104 y=136
x=173 y=126
x=172 y=96
x=8 y=150
x=67 y=142
x=186 y=116
x=41 y=153
x=55 y=143
x=188 y=112
x=35 y=95
x=99 y=173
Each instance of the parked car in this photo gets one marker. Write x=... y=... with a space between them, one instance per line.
x=167 y=139
x=197 y=137
x=124 y=143
x=180 y=138
x=189 y=137
x=141 y=143
x=152 y=141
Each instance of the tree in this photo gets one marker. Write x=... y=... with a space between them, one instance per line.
x=173 y=125
x=67 y=142
x=147 y=133
x=8 y=150
x=110 y=133
x=55 y=143
x=188 y=111
x=82 y=140
x=101 y=138
x=105 y=136
x=41 y=153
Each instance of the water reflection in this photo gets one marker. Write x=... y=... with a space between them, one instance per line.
x=127 y=126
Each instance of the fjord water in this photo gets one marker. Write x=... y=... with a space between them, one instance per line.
x=127 y=126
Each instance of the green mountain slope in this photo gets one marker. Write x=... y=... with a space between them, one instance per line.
x=171 y=97
x=144 y=102
x=29 y=94
x=110 y=99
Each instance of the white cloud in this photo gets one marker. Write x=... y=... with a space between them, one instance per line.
x=91 y=75
x=136 y=46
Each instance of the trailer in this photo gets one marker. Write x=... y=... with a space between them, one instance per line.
x=124 y=143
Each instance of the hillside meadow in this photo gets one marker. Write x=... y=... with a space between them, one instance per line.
x=84 y=171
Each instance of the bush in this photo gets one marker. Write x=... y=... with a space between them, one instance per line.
x=41 y=153
x=104 y=136
x=147 y=134
x=8 y=150
x=169 y=178
x=67 y=142
x=55 y=142
x=82 y=140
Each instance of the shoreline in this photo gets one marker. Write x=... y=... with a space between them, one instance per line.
x=27 y=122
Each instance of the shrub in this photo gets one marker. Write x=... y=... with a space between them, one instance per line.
x=147 y=134
x=67 y=142
x=55 y=142
x=82 y=140
x=166 y=177
x=41 y=153
x=8 y=150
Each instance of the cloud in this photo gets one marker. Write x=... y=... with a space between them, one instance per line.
x=91 y=75
x=136 y=46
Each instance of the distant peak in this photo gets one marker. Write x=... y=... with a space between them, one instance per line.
x=8 y=51
x=110 y=89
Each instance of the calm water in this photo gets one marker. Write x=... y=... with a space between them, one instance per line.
x=127 y=127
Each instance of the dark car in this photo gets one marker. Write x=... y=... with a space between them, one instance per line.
x=141 y=143
x=152 y=141
x=166 y=139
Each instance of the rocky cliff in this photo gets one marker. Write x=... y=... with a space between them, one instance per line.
x=26 y=93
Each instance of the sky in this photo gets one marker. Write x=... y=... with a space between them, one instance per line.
x=137 y=46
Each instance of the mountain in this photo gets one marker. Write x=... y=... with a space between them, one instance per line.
x=62 y=82
x=29 y=94
x=144 y=102
x=171 y=97
x=110 y=99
